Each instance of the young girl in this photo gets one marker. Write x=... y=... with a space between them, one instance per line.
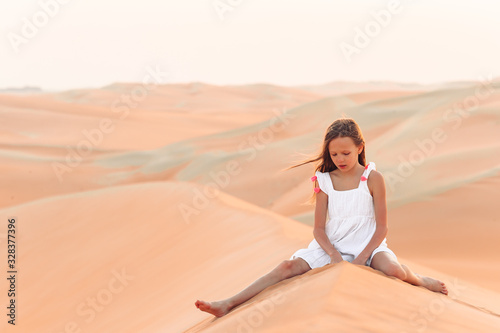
x=353 y=194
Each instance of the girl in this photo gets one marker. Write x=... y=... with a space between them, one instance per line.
x=353 y=194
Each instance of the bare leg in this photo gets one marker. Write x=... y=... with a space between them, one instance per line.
x=386 y=263
x=285 y=270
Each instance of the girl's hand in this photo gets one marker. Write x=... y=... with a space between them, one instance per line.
x=335 y=260
x=359 y=261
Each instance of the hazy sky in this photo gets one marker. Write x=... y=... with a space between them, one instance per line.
x=93 y=43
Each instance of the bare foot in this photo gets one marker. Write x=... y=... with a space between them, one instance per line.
x=433 y=284
x=218 y=309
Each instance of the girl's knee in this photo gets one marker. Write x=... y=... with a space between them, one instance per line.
x=288 y=268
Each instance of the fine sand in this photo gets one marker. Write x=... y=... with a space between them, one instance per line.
x=126 y=214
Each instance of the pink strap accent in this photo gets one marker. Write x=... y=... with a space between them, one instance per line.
x=316 y=189
x=363 y=178
x=314 y=178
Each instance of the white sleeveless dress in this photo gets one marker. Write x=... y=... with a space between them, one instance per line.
x=350 y=223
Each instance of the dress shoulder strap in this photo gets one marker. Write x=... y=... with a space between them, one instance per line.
x=364 y=178
x=368 y=168
x=324 y=182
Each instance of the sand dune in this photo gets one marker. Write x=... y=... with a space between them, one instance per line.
x=397 y=123
x=349 y=298
x=165 y=261
x=137 y=204
x=71 y=247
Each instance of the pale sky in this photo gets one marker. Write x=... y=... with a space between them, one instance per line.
x=91 y=43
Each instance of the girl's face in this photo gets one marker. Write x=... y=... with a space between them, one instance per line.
x=344 y=153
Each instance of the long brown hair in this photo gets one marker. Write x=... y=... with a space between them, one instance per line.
x=342 y=127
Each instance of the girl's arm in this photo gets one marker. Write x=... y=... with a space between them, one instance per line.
x=380 y=206
x=319 y=227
